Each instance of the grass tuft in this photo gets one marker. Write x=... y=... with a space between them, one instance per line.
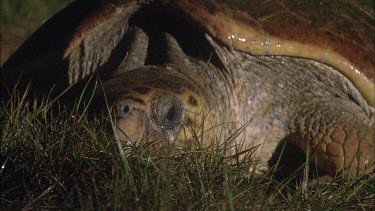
x=55 y=157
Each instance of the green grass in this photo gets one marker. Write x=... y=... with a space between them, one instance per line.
x=370 y=3
x=53 y=157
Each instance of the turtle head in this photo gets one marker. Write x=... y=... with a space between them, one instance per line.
x=161 y=115
x=154 y=103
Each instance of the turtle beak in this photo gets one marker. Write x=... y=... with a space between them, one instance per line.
x=137 y=127
x=170 y=136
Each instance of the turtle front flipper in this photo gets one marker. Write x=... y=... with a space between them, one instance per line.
x=337 y=136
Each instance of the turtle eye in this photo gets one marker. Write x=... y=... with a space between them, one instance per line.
x=124 y=110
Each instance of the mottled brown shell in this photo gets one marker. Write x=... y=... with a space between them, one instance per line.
x=338 y=33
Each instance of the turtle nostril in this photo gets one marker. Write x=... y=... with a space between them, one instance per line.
x=171 y=113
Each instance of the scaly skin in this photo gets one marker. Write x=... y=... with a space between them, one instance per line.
x=337 y=143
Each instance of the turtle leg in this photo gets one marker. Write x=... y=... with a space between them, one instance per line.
x=337 y=135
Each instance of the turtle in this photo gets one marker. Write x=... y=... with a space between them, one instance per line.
x=275 y=73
